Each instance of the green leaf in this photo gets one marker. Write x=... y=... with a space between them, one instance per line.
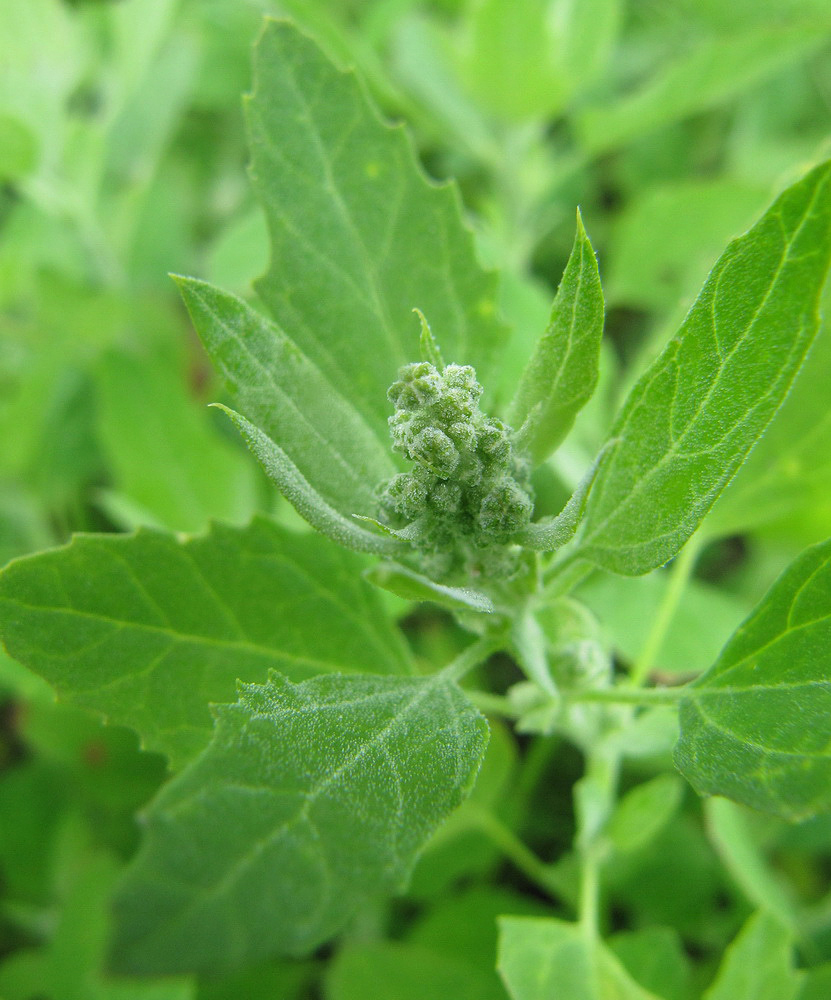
x=656 y=958
x=692 y=418
x=708 y=75
x=816 y=984
x=305 y=498
x=540 y=959
x=148 y=629
x=644 y=811
x=413 y=586
x=734 y=834
x=562 y=373
x=553 y=532
x=359 y=237
x=665 y=240
x=789 y=470
x=406 y=972
x=164 y=454
x=69 y=964
x=757 y=726
x=705 y=618
x=758 y=965
x=18 y=149
x=523 y=61
x=311 y=799
x=280 y=391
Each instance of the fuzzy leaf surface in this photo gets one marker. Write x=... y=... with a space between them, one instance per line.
x=757 y=726
x=311 y=799
x=279 y=390
x=149 y=630
x=304 y=497
x=563 y=370
x=692 y=418
x=412 y=586
x=359 y=236
x=540 y=959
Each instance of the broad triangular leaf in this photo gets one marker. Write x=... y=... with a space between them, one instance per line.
x=359 y=237
x=542 y=959
x=278 y=389
x=757 y=726
x=148 y=629
x=695 y=414
x=311 y=799
x=562 y=373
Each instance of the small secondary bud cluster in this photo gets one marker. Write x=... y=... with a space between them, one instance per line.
x=470 y=490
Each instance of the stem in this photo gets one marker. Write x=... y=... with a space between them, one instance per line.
x=595 y=797
x=470 y=658
x=590 y=895
x=679 y=577
x=520 y=856
x=566 y=574
x=494 y=704
x=632 y=696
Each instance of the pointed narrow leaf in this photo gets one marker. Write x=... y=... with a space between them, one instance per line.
x=304 y=498
x=553 y=532
x=542 y=959
x=279 y=390
x=311 y=799
x=562 y=373
x=413 y=586
x=148 y=629
x=757 y=726
x=359 y=237
x=695 y=414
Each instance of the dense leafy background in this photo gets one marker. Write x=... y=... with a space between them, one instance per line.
x=122 y=158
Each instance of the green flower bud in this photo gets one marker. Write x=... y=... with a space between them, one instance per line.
x=433 y=448
x=469 y=490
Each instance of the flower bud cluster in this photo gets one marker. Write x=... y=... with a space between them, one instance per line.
x=469 y=490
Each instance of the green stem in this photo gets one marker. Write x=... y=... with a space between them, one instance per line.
x=494 y=704
x=470 y=658
x=595 y=797
x=590 y=895
x=632 y=696
x=679 y=577
x=520 y=856
x=562 y=576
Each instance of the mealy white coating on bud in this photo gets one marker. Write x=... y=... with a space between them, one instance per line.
x=470 y=488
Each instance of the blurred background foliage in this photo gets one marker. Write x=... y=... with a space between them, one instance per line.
x=672 y=123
